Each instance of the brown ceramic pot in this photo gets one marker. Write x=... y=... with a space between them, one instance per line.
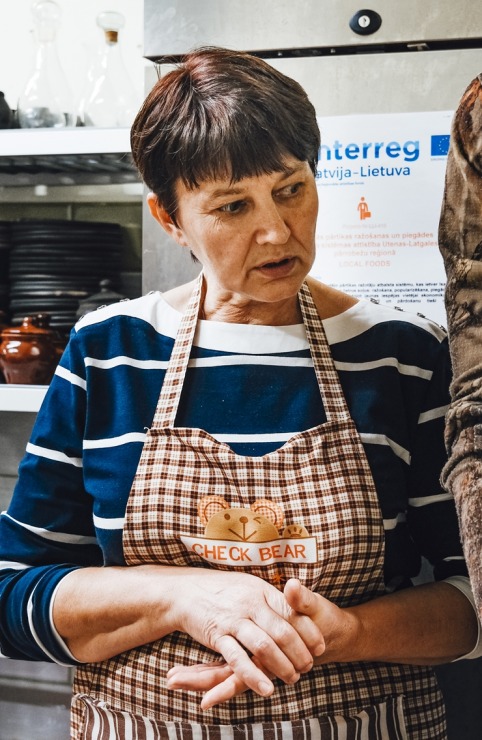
x=43 y=321
x=27 y=354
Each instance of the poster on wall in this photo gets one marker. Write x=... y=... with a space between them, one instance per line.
x=380 y=184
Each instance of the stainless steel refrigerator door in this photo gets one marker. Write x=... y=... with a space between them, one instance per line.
x=384 y=83
x=174 y=27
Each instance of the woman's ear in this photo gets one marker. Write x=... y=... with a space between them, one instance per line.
x=163 y=217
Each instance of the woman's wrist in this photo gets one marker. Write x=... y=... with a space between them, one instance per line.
x=344 y=641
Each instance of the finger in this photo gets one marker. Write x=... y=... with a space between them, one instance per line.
x=273 y=649
x=310 y=633
x=295 y=638
x=300 y=598
x=198 y=667
x=225 y=691
x=243 y=667
x=197 y=678
x=305 y=605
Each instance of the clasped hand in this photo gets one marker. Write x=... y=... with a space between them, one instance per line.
x=259 y=631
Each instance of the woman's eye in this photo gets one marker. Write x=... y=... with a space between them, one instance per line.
x=234 y=207
x=290 y=190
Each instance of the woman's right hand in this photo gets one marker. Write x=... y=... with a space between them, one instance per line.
x=249 y=623
x=101 y=612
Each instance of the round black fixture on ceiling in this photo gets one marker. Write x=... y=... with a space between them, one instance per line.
x=365 y=22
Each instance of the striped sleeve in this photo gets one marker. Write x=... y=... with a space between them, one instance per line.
x=41 y=538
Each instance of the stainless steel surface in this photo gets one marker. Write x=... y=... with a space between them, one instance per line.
x=173 y=27
x=385 y=83
x=164 y=263
x=78 y=155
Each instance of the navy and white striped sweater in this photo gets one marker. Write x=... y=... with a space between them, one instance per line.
x=248 y=385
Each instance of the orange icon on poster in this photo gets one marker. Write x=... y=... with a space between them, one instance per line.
x=363 y=209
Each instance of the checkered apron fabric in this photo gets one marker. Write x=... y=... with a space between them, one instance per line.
x=328 y=533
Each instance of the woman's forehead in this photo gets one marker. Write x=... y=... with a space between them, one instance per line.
x=225 y=183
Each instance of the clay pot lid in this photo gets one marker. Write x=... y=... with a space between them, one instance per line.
x=27 y=329
x=41 y=321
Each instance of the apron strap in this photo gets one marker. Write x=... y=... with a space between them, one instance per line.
x=170 y=395
x=326 y=373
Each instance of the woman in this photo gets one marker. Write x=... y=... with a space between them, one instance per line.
x=247 y=525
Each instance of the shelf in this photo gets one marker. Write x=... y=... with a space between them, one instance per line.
x=22 y=397
x=84 y=155
x=47 y=141
x=37 y=164
x=131 y=192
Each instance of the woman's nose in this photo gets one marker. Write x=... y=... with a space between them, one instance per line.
x=272 y=227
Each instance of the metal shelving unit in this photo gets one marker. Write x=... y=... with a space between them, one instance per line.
x=40 y=163
x=75 y=156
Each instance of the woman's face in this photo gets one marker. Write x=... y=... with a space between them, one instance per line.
x=255 y=238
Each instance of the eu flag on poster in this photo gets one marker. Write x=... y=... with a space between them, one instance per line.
x=439 y=145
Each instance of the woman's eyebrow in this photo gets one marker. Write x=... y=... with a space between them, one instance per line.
x=294 y=169
x=237 y=190
x=219 y=192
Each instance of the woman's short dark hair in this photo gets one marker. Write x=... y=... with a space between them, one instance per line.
x=221 y=113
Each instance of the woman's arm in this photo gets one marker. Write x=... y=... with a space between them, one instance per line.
x=48 y=528
x=101 y=612
x=425 y=625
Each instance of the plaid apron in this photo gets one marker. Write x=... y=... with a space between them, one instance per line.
x=308 y=510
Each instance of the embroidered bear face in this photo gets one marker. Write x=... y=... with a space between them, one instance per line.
x=259 y=523
x=295 y=532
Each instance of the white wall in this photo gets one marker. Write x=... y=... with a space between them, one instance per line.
x=78 y=40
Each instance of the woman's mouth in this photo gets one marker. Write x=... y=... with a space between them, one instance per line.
x=277 y=269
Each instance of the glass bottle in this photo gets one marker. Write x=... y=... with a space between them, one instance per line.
x=110 y=99
x=46 y=101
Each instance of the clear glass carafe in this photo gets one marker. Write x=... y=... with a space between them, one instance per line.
x=110 y=98
x=46 y=101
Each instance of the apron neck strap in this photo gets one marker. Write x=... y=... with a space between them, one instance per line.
x=326 y=374
x=328 y=380
x=170 y=395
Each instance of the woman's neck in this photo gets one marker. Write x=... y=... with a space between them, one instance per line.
x=285 y=313
x=329 y=302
